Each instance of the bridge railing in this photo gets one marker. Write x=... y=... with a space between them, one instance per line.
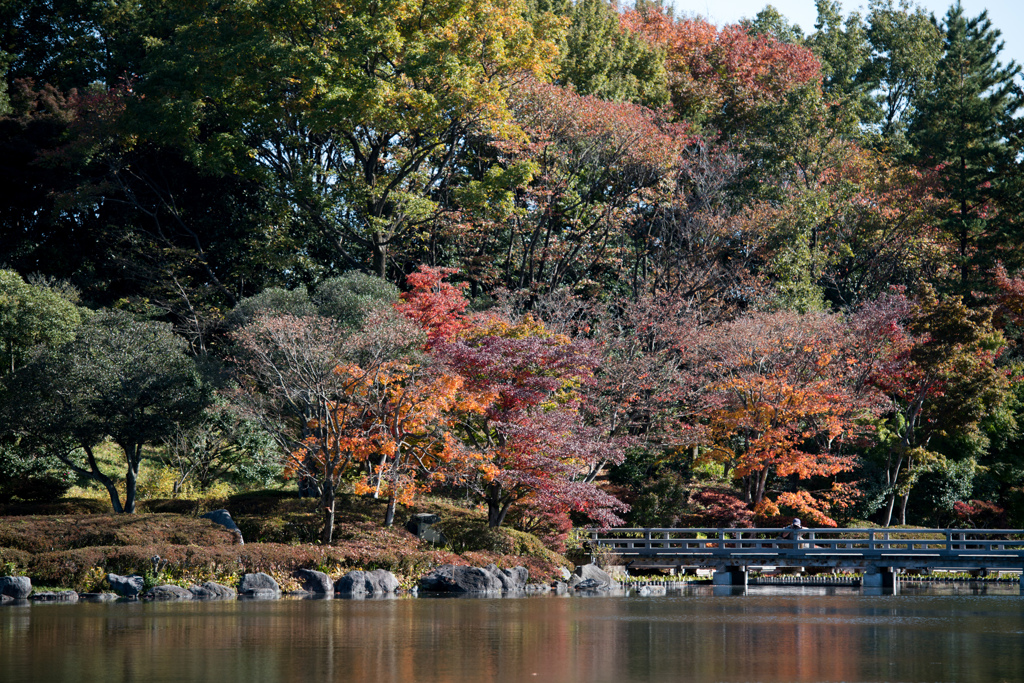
x=654 y=542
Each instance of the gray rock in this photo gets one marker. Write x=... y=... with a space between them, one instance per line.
x=589 y=585
x=259 y=585
x=560 y=588
x=59 y=596
x=4 y=599
x=167 y=592
x=212 y=591
x=450 y=578
x=520 y=576
x=97 y=597
x=16 y=587
x=223 y=517
x=377 y=582
x=315 y=582
x=594 y=573
x=537 y=588
x=126 y=586
x=512 y=580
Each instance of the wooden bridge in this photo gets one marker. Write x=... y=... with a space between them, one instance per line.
x=880 y=554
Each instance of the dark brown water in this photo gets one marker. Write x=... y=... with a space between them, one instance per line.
x=769 y=634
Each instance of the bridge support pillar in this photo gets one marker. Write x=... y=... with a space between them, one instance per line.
x=730 y=576
x=880 y=577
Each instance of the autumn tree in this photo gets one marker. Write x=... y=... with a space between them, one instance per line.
x=723 y=79
x=571 y=192
x=523 y=427
x=299 y=377
x=785 y=405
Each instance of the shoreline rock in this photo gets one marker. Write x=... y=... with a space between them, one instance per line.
x=126 y=586
x=15 y=587
x=167 y=592
x=462 y=579
x=374 y=583
x=212 y=591
x=259 y=586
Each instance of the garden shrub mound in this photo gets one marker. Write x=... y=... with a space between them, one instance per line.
x=64 y=506
x=38 y=534
x=77 y=551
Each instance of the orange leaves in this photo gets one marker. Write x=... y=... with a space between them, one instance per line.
x=786 y=403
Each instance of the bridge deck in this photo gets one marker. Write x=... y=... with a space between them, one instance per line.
x=836 y=548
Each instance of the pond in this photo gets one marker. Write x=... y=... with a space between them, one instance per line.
x=960 y=633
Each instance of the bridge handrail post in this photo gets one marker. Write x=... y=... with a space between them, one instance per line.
x=721 y=539
x=647 y=538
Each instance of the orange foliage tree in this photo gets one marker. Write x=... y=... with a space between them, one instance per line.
x=785 y=404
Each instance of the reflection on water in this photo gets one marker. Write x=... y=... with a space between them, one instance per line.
x=767 y=634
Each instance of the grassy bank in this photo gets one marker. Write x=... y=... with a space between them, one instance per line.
x=76 y=549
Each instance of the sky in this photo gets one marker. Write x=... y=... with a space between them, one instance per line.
x=1006 y=15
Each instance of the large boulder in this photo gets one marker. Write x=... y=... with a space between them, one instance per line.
x=15 y=587
x=59 y=596
x=512 y=580
x=126 y=586
x=592 y=577
x=259 y=585
x=223 y=517
x=377 y=582
x=315 y=582
x=212 y=591
x=167 y=592
x=451 y=578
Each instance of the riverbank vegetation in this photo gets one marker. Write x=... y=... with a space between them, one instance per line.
x=544 y=264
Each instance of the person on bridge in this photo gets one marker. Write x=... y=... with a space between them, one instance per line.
x=791 y=532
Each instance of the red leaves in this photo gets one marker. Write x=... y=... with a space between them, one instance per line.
x=721 y=73
x=434 y=303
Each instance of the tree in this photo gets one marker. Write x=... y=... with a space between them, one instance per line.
x=352 y=113
x=120 y=378
x=935 y=363
x=302 y=379
x=404 y=429
x=600 y=57
x=723 y=79
x=33 y=315
x=959 y=128
x=222 y=446
x=905 y=47
x=521 y=421
x=785 y=405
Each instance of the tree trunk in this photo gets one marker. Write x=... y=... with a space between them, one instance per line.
x=327 y=500
x=496 y=507
x=133 y=453
x=389 y=513
x=96 y=474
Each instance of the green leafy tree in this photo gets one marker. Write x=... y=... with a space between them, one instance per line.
x=600 y=57
x=120 y=378
x=351 y=112
x=841 y=45
x=32 y=315
x=905 y=44
x=960 y=127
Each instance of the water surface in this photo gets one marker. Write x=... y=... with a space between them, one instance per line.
x=767 y=634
